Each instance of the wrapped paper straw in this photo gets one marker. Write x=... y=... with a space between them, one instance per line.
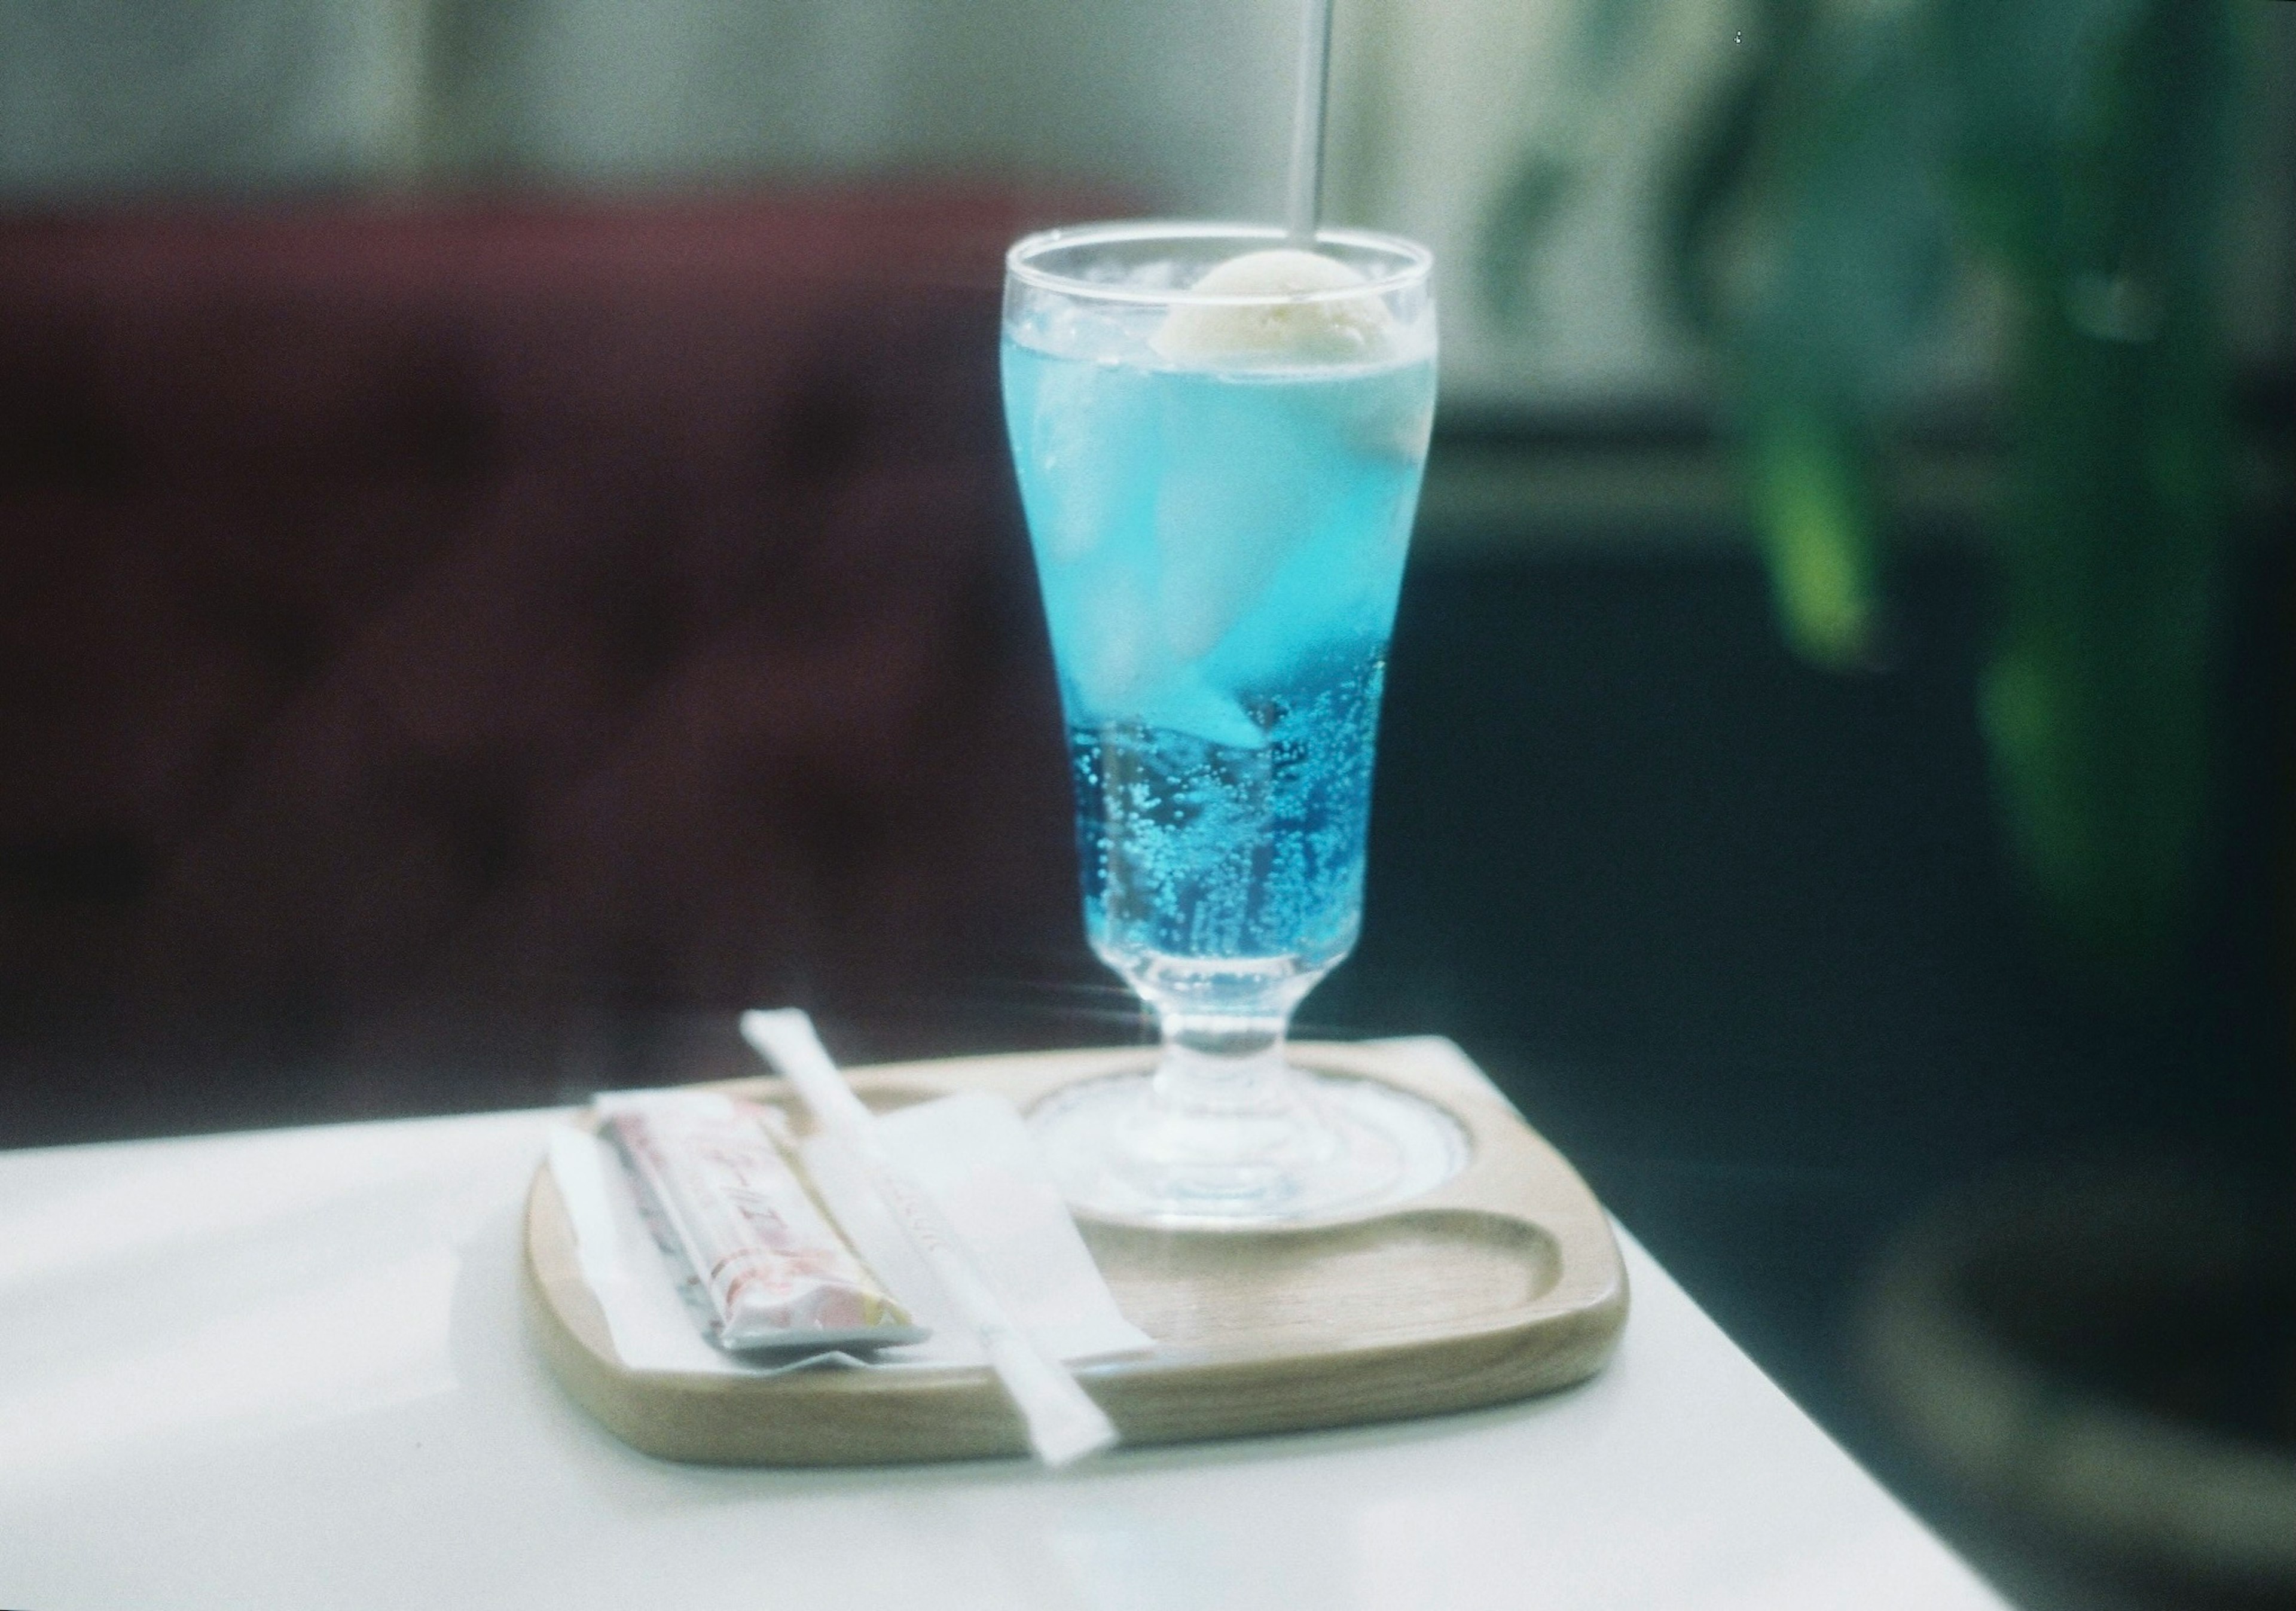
x=1064 y=1424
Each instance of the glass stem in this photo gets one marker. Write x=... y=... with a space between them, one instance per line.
x=1222 y=1065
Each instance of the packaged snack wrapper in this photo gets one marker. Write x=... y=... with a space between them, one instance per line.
x=776 y=1273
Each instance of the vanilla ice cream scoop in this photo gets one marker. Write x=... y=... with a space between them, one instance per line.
x=1324 y=331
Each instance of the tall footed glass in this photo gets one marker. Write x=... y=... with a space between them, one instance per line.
x=1219 y=441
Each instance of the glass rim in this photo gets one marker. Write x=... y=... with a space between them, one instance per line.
x=1418 y=262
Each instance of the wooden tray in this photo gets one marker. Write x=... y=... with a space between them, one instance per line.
x=1501 y=1283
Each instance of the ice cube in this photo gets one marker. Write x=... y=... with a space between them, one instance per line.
x=1087 y=473
x=1329 y=330
x=1390 y=419
x=1222 y=534
x=1118 y=667
x=1190 y=703
x=1112 y=647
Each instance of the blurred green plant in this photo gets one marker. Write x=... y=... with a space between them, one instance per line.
x=1868 y=157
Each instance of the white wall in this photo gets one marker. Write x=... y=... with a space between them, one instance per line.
x=100 y=96
x=1186 y=101
x=1441 y=99
x=1444 y=99
x=1164 y=93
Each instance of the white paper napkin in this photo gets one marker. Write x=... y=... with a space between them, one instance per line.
x=972 y=1153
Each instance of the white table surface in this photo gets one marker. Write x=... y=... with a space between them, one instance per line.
x=290 y=1369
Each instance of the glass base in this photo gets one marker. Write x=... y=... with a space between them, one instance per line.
x=1327 y=1143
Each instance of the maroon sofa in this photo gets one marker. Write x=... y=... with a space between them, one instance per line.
x=442 y=646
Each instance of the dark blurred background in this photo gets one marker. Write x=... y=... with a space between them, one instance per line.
x=506 y=555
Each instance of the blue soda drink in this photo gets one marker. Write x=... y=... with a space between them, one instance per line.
x=1220 y=539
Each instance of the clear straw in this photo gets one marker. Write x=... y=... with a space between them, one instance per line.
x=1307 y=126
